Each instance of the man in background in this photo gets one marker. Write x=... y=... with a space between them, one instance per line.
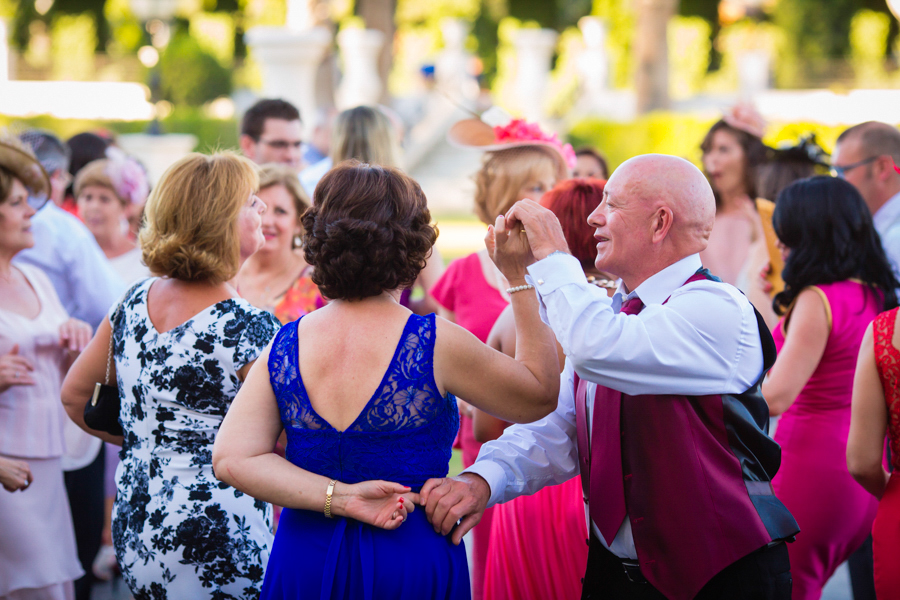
x=271 y=132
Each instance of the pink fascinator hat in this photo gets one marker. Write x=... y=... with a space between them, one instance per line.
x=497 y=130
x=744 y=117
x=127 y=176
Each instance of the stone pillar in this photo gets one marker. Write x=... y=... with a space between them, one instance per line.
x=651 y=52
x=300 y=15
x=289 y=61
x=157 y=152
x=534 y=51
x=753 y=73
x=451 y=68
x=593 y=64
x=4 y=53
x=360 y=52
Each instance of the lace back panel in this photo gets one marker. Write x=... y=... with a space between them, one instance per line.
x=403 y=434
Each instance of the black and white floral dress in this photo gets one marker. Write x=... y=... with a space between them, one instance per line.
x=179 y=533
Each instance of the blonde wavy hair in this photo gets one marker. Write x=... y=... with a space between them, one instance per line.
x=504 y=172
x=366 y=134
x=191 y=228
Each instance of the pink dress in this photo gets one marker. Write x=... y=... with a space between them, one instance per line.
x=38 y=557
x=538 y=547
x=835 y=513
x=463 y=289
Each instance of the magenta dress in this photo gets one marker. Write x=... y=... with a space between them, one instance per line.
x=463 y=289
x=834 y=513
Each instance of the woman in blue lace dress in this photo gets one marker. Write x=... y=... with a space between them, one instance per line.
x=365 y=392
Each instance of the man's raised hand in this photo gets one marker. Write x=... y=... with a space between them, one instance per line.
x=545 y=234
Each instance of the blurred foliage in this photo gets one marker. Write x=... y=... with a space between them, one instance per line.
x=213 y=134
x=746 y=35
x=620 y=22
x=26 y=13
x=689 y=45
x=815 y=34
x=189 y=74
x=7 y=9
x=73 y=41
x=214 y=32
x=869 y=32
x=678 y=135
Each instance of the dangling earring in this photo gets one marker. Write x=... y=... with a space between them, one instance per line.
x=298 y=242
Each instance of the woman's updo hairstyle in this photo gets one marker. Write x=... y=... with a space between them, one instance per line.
x=191 y=219
x=504 y=172
x=368 y=231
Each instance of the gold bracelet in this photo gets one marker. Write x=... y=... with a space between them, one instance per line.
x=328 y=493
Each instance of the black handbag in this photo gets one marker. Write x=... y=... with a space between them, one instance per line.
x=102 y=412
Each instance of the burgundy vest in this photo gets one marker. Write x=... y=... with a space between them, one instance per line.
x=695 y=476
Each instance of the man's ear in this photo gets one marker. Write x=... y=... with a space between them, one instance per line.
x=248 y=146
x=885 y=165
x=661 y=223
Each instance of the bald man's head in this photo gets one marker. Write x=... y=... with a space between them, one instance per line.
x=657 y=209
x=659 y=179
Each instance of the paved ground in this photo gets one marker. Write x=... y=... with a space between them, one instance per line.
x=838 y=587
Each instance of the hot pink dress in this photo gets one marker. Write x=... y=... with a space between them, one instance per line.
x=538 y=547
x=463 y=289
x=835 y=513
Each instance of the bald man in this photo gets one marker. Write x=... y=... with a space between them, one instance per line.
x=865 y=155
x=660 y=409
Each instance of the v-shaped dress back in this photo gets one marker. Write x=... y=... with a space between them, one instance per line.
x=403 y=434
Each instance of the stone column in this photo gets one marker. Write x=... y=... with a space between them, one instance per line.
x=753 y=73
x=360 y=52
x=4 y=53
x=534 y=50
x=157 y=152
x=289 y=61
x=651 y=53
x=451 y=68
x=593 y=64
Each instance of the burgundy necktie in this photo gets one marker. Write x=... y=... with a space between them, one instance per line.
x=606 y=454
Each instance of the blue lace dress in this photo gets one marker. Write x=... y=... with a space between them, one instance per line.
x=403 y=434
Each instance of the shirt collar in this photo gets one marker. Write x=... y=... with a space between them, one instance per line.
x=659 y=286
x=885 y=216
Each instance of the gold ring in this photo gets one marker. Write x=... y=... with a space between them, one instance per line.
x=521 y=231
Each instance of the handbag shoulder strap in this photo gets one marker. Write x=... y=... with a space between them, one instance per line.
x=112 y=340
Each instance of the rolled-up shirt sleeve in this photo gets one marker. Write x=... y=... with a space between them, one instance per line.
x=529 y=457
x=704 y=338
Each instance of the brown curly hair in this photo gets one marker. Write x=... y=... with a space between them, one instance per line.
x=368 y=231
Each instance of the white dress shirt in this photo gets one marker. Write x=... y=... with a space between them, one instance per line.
x=67 y=252
x=887 y=224
x=311 y=175
x=704 y=340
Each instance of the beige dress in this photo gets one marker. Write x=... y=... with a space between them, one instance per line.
x=38 y=558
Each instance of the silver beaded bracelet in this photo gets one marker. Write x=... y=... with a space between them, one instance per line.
x=519 y=288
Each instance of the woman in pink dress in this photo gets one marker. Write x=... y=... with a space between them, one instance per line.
x=38 y=342
x=837 y=279
x=521 y=162
x=536 y=549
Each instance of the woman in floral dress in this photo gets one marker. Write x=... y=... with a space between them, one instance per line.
x=183 y=343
